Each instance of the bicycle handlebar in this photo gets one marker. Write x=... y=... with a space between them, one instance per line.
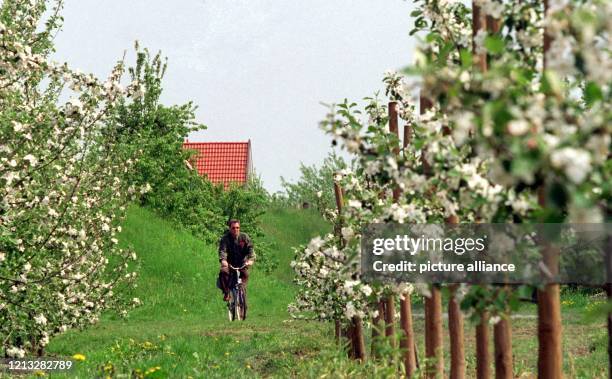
x=236 y=268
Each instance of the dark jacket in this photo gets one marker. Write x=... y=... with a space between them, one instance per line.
x=236 y=250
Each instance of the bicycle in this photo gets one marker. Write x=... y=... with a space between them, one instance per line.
x=236 y=306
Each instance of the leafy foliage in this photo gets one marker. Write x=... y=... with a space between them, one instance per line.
x=61 y=186
x=512 y=143
x=316 y=184
x=155 y=133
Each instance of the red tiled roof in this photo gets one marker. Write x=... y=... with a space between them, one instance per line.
x=222 y=162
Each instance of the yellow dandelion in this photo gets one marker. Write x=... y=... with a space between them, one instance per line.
x=248 y=366
x=79 y=357
x=226 y=353
x=152 y=370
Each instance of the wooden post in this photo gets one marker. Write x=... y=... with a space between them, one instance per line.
x=433 y=334
x=393 y=122
x=550 y=355
x=390 y=320
x=455 y=320
x=502 y=334
x=350 y=346
x=494 y=25
x=479 y=22
x=547 y=39
x=377 y=328
x=339 y=199
x=355 y=329
x=483 y=360
x=407 y=341
x=433 y=304
x=337 y=231
x=455 y=327
x=357 y=340
x=389 y=301
x=483 y=370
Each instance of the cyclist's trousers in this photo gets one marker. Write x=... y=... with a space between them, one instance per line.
x=224 y=279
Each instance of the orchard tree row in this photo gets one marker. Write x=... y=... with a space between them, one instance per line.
x=75 y=151
x=507 y=120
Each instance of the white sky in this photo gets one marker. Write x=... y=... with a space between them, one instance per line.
x=257 y=69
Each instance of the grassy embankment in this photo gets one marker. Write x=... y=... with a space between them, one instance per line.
x=182 y=327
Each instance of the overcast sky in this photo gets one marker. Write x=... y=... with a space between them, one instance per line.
x=257 y=69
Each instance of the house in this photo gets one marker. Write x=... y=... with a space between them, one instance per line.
x=222 y=162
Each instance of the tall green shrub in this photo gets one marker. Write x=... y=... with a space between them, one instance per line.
x=155 y=133
x=316 y=184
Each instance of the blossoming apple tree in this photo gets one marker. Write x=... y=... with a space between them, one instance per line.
x=514 y=126
x=61 y=195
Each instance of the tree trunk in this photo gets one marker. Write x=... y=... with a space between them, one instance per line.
x=350 y=341
x=483 y=360
x=433 y=334
x=407 y=342
x=377 y=329
x=502 y=334
x=550 y=356
x=358 y=342
x=390 y=320
x=455 y=327
x=479 y=22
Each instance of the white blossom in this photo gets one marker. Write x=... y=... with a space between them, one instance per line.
x=518 y=127
x=354 y=204
x=31 y=159
x=576 y=163
x=15 y=352
x=40 y=319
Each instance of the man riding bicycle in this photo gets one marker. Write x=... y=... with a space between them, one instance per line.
x=235 y=249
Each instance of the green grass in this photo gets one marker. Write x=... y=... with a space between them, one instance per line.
x=182 y=326
x=183 y=329
x=287 y=228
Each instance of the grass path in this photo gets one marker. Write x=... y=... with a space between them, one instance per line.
x=182 y=327
x=182 y=331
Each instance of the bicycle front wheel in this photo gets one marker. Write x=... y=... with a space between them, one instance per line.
x=231 y=306
x=242 y=303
